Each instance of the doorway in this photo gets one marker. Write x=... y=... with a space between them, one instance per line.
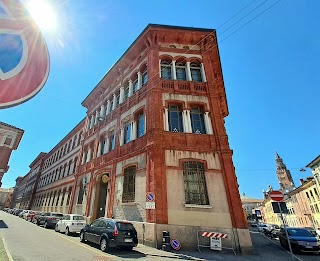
x=102 y=196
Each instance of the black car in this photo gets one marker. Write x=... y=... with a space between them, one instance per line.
x=300 y=239
x=110 y=233
x=49 y=219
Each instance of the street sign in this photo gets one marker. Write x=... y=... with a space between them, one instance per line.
x=150 y=205
x=276 y=195
x=215 y=243
x=283 y=206
x=24 y=58
x=175 y=244
x=150 y=197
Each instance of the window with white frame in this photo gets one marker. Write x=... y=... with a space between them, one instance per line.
x=166 y=72
x=175 y=118
x=103 y=146
x=111 y=104
x=117 y=99
x=141 y=124
x=126 y=93
x=127 y=132
x=135 y=85
x=112 y=141
x=144 y=77
x=181 y=72
x=195 y=183
x=195 y=72
x=197 y=121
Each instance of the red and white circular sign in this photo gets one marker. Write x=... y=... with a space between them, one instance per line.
x=24 y=58
x=276 y=195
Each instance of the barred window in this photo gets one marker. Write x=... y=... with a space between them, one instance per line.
x=129 y=184
x=195 y=183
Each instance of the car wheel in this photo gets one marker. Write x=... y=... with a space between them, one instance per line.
x=104 y=244
x=56 y=228
x=67 y=232
x=82 y=239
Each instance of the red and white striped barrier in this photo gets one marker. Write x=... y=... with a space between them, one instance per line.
x=214 y=234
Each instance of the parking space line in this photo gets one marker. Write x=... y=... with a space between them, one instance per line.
x=83 y=245
x=7 y=250
x=283 y=248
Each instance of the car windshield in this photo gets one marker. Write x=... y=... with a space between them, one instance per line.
x=299 y=232
x=124 y=226
x=78 y=218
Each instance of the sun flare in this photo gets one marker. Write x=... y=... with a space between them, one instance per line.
x=43 y=14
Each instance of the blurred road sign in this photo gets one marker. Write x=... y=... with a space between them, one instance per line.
x=150 y=197
x=175 y=244
x=282 y=205
x=276 y=195
x=215 y=243
x=150 y=205
x=24 y=58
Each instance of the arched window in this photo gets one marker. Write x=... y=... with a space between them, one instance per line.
x=197 y=121
x=196 y=72
x=145 y=77
x=175 y=118
x=166 y=72
x=195 y=186
x=129 y=181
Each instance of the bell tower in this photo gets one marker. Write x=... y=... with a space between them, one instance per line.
x=283 y=174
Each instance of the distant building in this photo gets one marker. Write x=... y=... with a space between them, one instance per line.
x=5 y=197
x=250 y=204
x=10 y=137
x=18 y=192
x=284 y=176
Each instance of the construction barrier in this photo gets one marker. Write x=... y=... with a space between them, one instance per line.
x=213 y=240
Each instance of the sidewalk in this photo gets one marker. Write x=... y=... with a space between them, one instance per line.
x=3 y=252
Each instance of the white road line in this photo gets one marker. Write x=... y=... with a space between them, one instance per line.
x=283 y=249
x=7 y=250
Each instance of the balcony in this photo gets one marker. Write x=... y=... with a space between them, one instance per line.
x=184 y=86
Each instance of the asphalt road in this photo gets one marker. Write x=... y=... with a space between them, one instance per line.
x=28 y=242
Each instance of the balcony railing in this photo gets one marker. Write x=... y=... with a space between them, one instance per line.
x=184 y=86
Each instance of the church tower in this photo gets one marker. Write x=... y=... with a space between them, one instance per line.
x=283 y=174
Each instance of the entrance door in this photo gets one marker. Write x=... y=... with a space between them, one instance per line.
x=102 y=199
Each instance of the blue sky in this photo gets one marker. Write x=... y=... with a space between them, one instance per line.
x=270 y=69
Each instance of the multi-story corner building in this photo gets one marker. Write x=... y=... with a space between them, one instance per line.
x=155 y=125
x=53 y=189
x=10 y=137
x=18 y=192
x=32 y=181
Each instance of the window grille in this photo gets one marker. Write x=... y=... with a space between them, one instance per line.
x=129 y=184
x=195 y=183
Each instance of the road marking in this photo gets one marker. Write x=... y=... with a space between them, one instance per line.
x=83 y=245
x=283 y=248
x=7 y=250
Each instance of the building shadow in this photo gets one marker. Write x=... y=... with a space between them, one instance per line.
x=3 y=224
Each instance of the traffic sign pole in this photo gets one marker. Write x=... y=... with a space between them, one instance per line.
x=287 y=236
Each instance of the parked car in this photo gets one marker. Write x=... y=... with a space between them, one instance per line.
x=300 y=239
x=110 y=233
x=31 y=214
x=17 y=212
x=20 y=215
x=261 y=227
x=49 y=219
x=36 y=217
x=25 y=213
x=10 y=211
x=72 y=223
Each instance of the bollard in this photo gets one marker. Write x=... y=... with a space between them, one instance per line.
x=165 y=240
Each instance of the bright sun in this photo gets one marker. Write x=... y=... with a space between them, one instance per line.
x=43 y=14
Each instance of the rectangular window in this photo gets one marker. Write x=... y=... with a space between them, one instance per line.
x=118 y=99
x=112 y=141
x=181 y=73
x=135 y=85
x=103 y=147
x=58 y=196
x=141 y=125
x=166 y=72
x=63 y=194
x=111 y=105
x=197 y=121
x=175 y=118
x=129 y=184
x=195 y=183
x=196 y=74
x=54 y=196
x=127 y=133
x=144 y=78
x=126 y=93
